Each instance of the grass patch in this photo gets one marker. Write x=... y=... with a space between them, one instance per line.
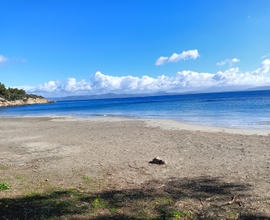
x=179 y=214
x=77 y=199
x=3 y=167
x=4 y=186
x=86 y=178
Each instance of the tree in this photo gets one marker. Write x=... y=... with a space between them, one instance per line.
x=11 y=94
x=2 y=88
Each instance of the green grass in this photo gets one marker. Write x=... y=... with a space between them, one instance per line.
x=99 y=203
x=3 y=167
x=178 y=214
x=78 y=200
x=86 y=178
x=4 y=186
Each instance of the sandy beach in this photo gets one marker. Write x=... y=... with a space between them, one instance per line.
x=211 y=165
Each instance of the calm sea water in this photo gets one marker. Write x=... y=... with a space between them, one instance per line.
x=231 y=109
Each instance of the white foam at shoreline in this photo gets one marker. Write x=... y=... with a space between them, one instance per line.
x=176 y=125
x=167 y=125
x=159 y=123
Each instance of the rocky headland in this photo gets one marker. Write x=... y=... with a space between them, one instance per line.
x=29 y=101
x=14 y=97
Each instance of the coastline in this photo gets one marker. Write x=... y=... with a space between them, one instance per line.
x=164 y=124
x=29 y=101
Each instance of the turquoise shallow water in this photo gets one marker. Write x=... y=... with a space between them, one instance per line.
x=231 y=109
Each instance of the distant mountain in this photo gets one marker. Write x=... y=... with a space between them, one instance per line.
x=161 y=93
x=106 y=96
x=259 y=88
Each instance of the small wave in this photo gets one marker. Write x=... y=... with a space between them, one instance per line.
x=213 y=100
x=263 y=123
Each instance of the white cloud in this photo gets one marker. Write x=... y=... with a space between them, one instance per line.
x=186 y=80
x=265 y=56
x=230 y=61
x=3 y=59
x=185 y=55
x=234 y=60
x=161 y=61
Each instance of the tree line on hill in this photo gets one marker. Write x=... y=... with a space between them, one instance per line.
x=12 y=94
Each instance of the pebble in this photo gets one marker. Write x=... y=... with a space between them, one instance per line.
x=158 y=160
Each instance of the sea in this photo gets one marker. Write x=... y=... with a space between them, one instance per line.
x=249 y=109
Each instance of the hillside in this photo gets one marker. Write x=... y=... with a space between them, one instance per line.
x=13 y=97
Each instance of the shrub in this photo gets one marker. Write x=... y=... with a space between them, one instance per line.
x=12 y=94
x=4 y=186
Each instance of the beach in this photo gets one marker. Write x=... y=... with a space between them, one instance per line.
x=213 y=166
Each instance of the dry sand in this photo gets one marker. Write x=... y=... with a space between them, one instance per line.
x=122 y=148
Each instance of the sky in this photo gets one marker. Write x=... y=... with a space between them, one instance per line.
x=61 y=47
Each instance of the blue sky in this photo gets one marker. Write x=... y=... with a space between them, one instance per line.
x=49 y=47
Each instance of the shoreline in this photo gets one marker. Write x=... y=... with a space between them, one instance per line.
x=164 y=124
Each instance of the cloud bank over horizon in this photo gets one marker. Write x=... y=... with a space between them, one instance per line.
x=184 y=81
x=185 y=55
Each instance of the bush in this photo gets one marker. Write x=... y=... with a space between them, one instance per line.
x=12 y=94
